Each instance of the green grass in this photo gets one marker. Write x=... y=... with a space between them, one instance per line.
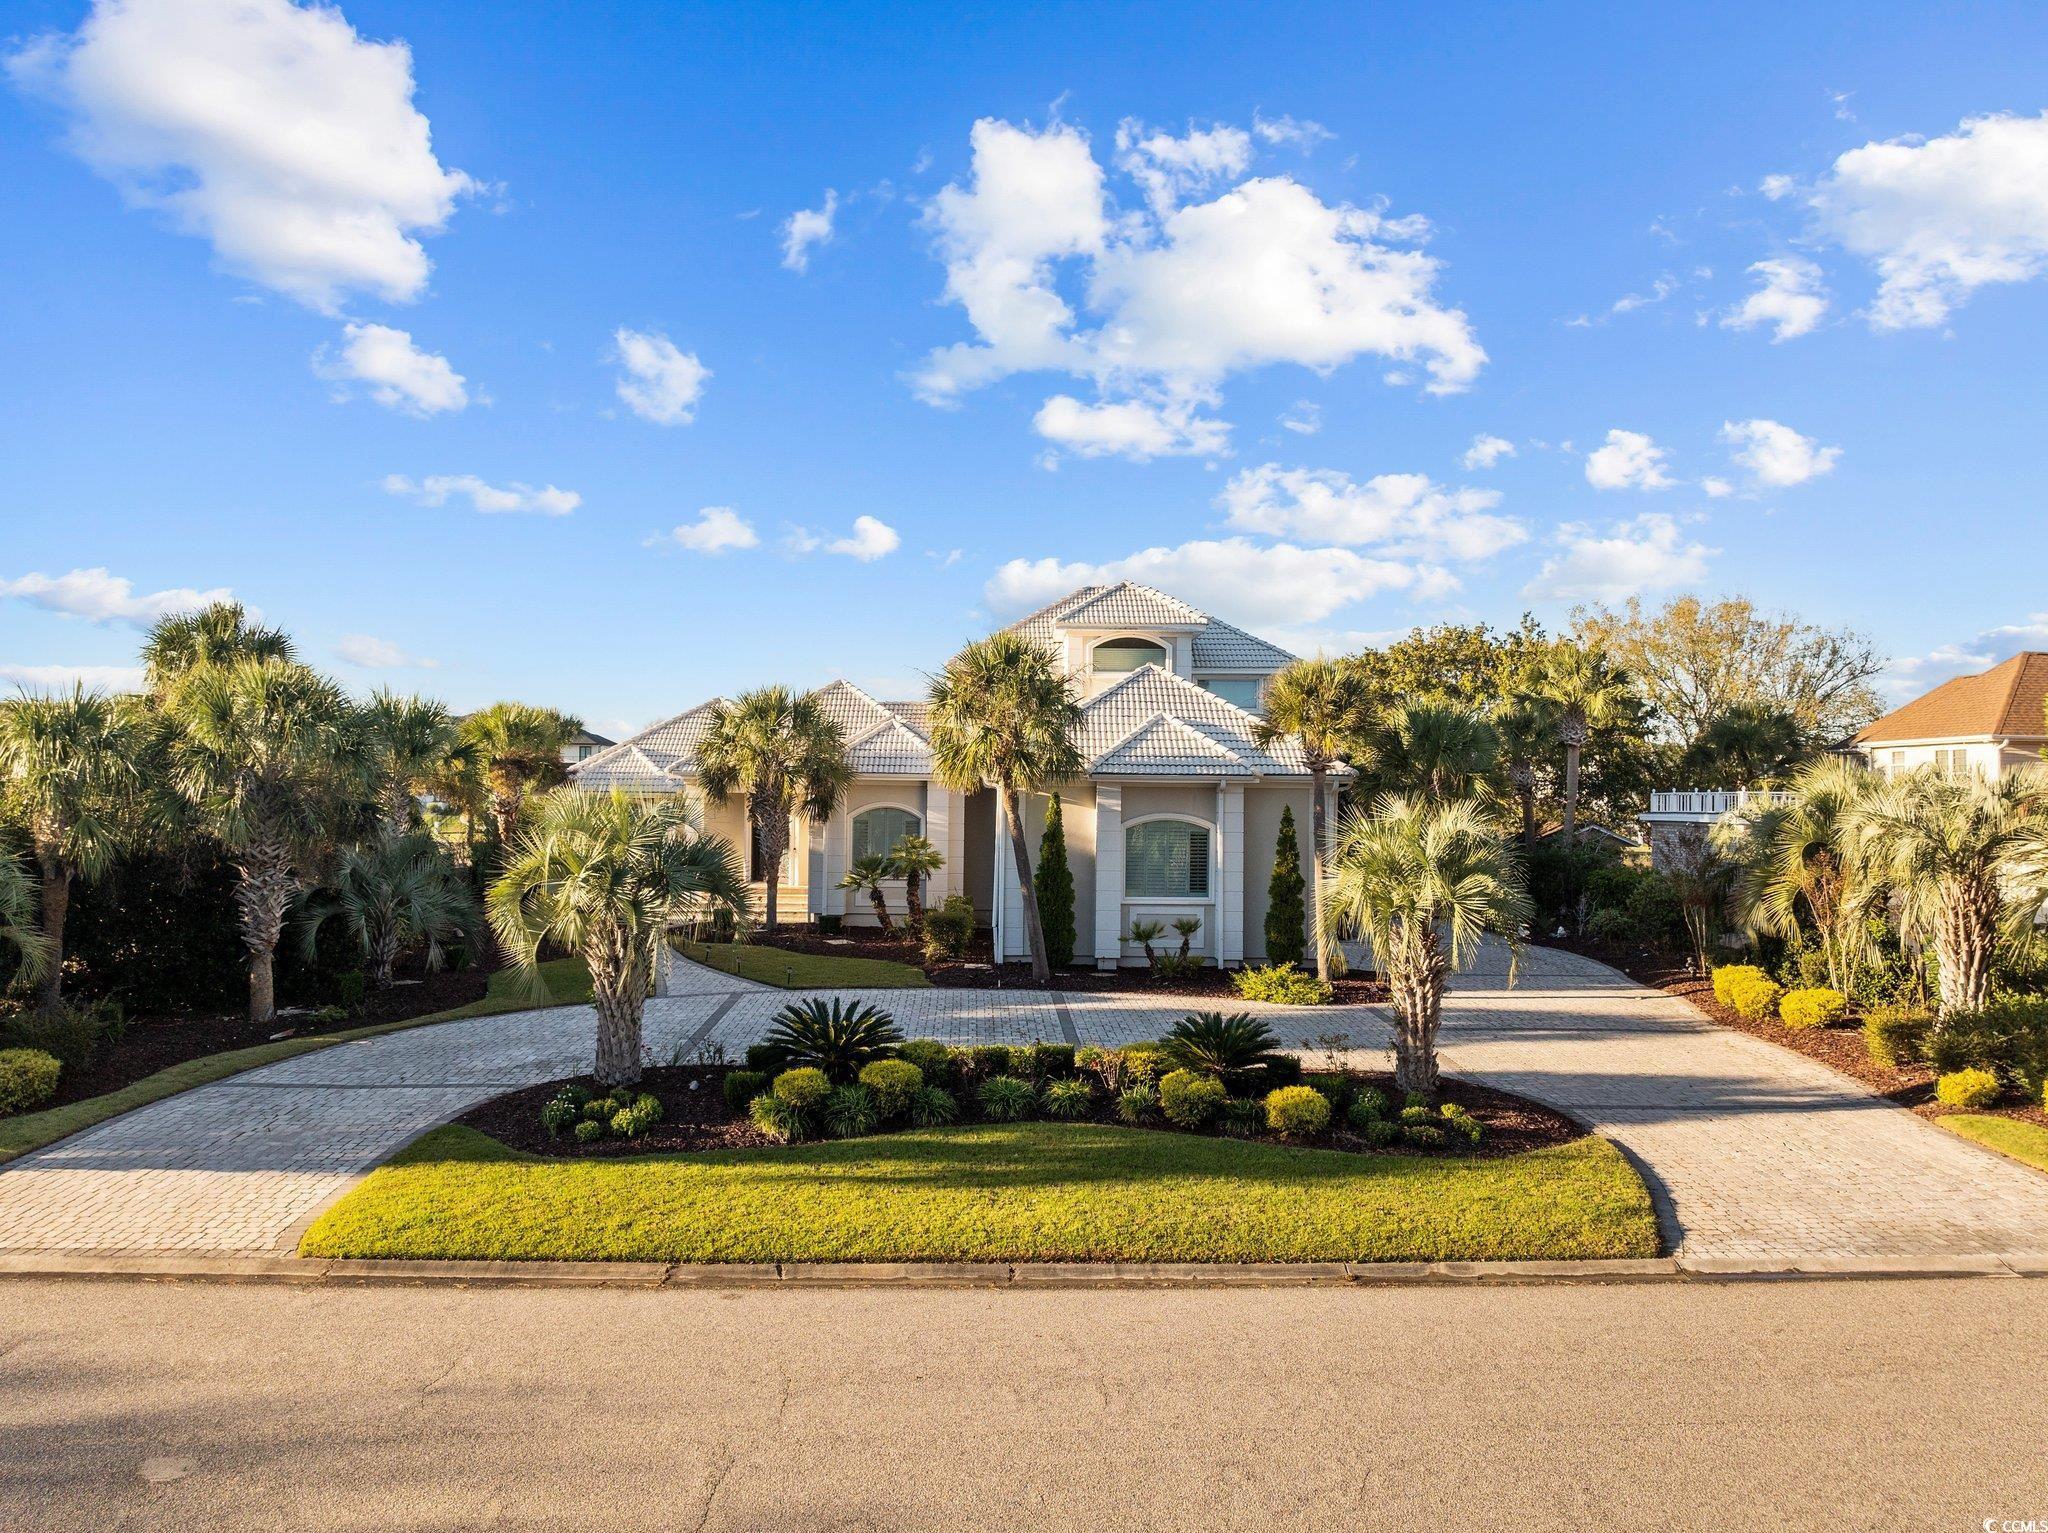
x=1008 y=1192
x=568 y=983
x=805 y=971
x=2022 y=1141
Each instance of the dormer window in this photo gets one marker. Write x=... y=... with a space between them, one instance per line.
x=1128 y=654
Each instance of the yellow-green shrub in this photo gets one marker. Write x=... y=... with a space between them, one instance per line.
x=1283 y=985
x=1729 y=975
x=1895 y=1035
x=1817 y=1007
x=1967 y=1088
x=1297 y=1112
x=1755 y=998
x=28 y=1078
x=802 y=1088
x=894 y=1082
x=1190 y=1100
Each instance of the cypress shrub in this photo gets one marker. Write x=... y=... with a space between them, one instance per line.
x=1054 y=881
x=1286 y=904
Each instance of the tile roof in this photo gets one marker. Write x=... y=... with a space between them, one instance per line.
x=2005 y=702
x=1129 y=605
x=1219 y=646
x=1167 y=746
x=890 y=749
x=657 y=759
x=1222 y=647
x=1134 y=706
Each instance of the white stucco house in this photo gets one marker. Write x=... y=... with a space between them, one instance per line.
x=1177 y=814
x=1978 y=725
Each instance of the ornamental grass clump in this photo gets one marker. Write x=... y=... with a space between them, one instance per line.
x=1814 y=1007
x=1006 y=1099
x=932 y=1107
x=851 y=1111
x=1138 y=1103
x=1070 y=1099
x=1190 y=1099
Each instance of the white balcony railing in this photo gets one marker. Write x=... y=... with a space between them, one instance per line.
x=1711 y=803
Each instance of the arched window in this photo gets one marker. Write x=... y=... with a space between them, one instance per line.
x=1166 y=859
x=1128 y=654
x=876 y=831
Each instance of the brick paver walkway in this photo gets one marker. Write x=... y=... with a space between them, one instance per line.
x=1754 y=1151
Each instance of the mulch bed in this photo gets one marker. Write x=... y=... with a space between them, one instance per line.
x=976 y=972
x=696 y=1118
x=1840 y=1047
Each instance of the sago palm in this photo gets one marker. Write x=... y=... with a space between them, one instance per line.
x=1423 y=883
x=410 y=738
x=1003 y=717
x=603 y=875
x=914 y=859
x=780 y=753
x=219 y=634
x=1326 y=707
x=393 y=893
x=266 y=755
x=866 y=876
x=1578 y=693
x=1797 y=866
x=517 y=748
x=1963 y=857
x=68 y=776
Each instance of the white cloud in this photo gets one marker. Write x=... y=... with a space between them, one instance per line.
x=1938 y=218
x=1263 y=273
x=271 y=129
x=62 y=678
x=371 y=653
x=1776 y=454
x=99 y=596
x=1660 y=289
x=1911 y=675
x=1716 y=487
x=1402 y=514
x=1648 y=553
x=1486 y=451
x=437 y=489
x=1169 y=170
x=399 y=374
x=1790 y=298
x=1130 y=429
x=661 y=383
x=716 y=530
x=1232 y=577
x=2033 y=630
x=1303 y=418
x=871 y=539
x=1629 y=458
x=1297 y=133
x=805 y=228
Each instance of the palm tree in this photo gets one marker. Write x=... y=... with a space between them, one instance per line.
x=389 y=894
x=1522 y=733
x=68 y=777
x=1435 y=750
x=1796 y=859
x=914 y=859
x=780 y=751
x=410 y=739
x=1963 y=856
x=267 y=755
x=1003 y=717
x=1423 y=882
x=868 y=873
x=220 y=634
x=1325 y=706
x=1578 y=693
x=17 y=919
x=518 y=749
x=1744 y=746
x=603 y=875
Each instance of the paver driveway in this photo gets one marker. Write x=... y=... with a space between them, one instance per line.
x=1755 y=1152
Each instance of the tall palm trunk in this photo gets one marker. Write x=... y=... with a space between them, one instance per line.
x=1572 y=733
x=619 y=974
x=56 y=908
x=875 y=898
x=913 y=901
x=1034 y=928
x=774 y=833
x=1523 y=775
x=1415 y=972
x=1317 y=768
x=1963 y=942
x=397 y=808
x=262 y=897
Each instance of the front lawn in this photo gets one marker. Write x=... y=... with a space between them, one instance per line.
x=804 y=971
x=992 y=1192
x=2019 y=1139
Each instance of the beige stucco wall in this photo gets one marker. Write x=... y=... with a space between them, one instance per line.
x=1263 y=804
x=869 y=793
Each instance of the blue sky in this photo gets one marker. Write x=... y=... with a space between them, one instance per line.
x=1756 y=298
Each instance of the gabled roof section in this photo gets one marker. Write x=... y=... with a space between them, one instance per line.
x=1130 y=605
x=656 y=760
x=1219 y=646
x=1112 y=718
x=890 y=749
x=850 y=708
x=2005 y=702
x=1167 y=746
x=1224 y=647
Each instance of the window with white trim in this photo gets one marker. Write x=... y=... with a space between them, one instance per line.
x=876 y=831
x=1127 y=654
x=1241 y=690
x=1166 y=859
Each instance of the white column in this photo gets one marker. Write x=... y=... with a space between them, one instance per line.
x=1109 y=874
x=837 y=832
x=939 y=820
x=1229 y=939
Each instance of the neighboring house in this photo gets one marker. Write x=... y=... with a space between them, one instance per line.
x=583 y=747
x=1678 y=819
x=1177 y=813
x=1980 y=724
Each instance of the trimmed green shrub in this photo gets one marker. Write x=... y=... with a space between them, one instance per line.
x=932 y=1107
x=762 y=1059
x=28 y=1078
x=987 y=1059
x=1244 y=1117
x=802 y=1088
x=71 y=1033
x=1335 y=1088
x=1091 y=1058
x=1054 y=882
x=1415 y=1113
x=1728 y=975
x=597 y=1110
x=1372 y=1100
x=1286 y=903
x=589 y=1131
x=1006 y=1099
x=1190 y=1100
x=1282 y=985
x=1297 y=1112
x=932 y=1058
x=631 y=1122
x=1137 y=1103
x=851 y=1111
x=1282 y=1069
x=837 y=1037
x=1815 y=1007
x=1380 y=1133
x=949 y=928
x=1756 y=999
x=1363 y=1112
x=1428 y=1136
x=557 y=1116
x=1967 y=1088
x=894 y=1082
x=1048 y=1060
x=621 y=1096
x=1143 y=1061
x=1069 y=1098
x=648 y=1102
x=742 y=1086
x=1895 y=1035
x=350 y=986
x=1461 y=1123
x=777 y=1119
x=2009 y=1038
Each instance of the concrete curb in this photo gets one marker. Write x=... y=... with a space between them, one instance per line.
x=173 y=1267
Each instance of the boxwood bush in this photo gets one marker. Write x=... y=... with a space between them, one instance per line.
x=1967 y=1088
x=894 y=1082
x=1297 y=1112
x=1814 y=1007
x=1190 y=1099
x=28 y=1078
x=1283 y=985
